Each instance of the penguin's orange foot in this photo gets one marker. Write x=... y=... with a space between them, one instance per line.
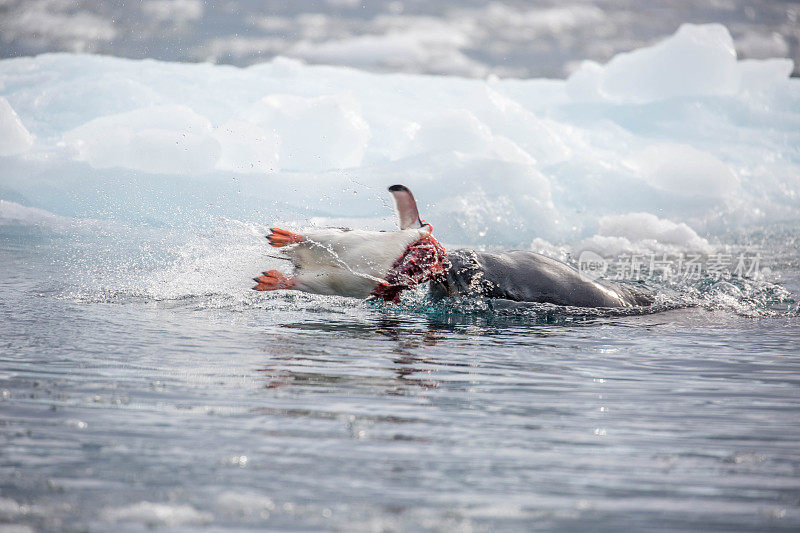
x=282 y=237
x=272 y=280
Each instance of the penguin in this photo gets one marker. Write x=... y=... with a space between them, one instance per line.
x=359 y=263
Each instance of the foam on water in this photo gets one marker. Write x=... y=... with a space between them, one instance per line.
x=211 y=269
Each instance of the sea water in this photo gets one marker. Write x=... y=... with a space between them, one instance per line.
x=143 y=385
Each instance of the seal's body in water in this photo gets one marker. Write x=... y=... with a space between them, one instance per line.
x=523 y=276
x=377 y=264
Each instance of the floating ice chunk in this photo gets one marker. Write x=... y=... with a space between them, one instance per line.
x=642 y=226
x=537 y=137
x=14 y=138
x=470 y=166
x=393 y=139
x=473 y=210
x=584 y=84
x=158 y=514
x=682 y=169
x=247 y=148
x=453 y=130
x=642 y=232
x=458 y=130
x=696 y=60
x=280 y=67
x=326 y=132
x=57 y=92
x=161 y=139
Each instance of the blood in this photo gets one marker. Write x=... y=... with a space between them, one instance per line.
x=424 y=260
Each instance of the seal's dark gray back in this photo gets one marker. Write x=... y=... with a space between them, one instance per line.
x=529 y=277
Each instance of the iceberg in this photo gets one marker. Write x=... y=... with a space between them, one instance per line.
x=157 y=139
x=678 y=133
x=14 y=138
x=684 y=170
x=698 y=60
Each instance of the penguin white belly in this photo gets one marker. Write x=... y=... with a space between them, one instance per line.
x=347 y=263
